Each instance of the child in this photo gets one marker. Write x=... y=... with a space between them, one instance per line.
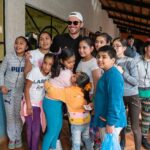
x=34 y=58
x=53 y=108
x=128 y=68
x=75 y=98
x=12 y=85
x=110 y=114
x=89 y=65
x=143 y=65
x=34 y=94
x=102 y=39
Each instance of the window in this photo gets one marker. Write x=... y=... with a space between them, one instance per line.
x=2 y=45
x=37 y=21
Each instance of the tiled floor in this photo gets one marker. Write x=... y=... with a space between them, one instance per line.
x=66 y=142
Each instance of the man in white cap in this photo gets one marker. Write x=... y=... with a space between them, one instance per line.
x=71 y=39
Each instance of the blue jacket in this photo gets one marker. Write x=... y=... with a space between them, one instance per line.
x=109 y=103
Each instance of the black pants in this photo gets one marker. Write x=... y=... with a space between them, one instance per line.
x=134 y=108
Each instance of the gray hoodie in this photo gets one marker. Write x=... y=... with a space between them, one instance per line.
x=130 y=75
x=143 y=67
x=12 y=71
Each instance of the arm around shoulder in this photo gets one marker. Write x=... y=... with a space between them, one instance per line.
x=53 y=92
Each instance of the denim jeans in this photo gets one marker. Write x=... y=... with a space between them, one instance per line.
x=81 y=132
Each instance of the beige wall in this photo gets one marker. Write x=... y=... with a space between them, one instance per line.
x=91 y=10
x=14 y=21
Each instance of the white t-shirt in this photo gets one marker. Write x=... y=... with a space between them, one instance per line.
x=36 y=58
x=37 y=91
x=88 y=67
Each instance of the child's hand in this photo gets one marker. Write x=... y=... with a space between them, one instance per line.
x=29 y=111
x=4 y=89
x=109 y=129
x=91 y=105
x=27 y=55
x=88 y=107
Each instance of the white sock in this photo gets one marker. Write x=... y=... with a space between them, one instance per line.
x=58 y=145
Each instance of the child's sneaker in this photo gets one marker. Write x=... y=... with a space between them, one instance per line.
x=11 y=145
x=18 y=143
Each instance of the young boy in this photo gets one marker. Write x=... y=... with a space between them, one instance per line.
x=110 y=114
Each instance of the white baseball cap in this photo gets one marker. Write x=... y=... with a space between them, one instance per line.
x=76 y=14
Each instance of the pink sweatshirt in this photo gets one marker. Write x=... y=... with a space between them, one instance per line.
x=63 y=80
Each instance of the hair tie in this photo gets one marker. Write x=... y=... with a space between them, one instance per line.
x=88 y=87
x=57 y=53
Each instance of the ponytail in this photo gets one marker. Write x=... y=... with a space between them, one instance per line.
x=83 y=81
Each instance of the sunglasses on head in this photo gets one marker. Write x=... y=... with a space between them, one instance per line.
x=73 y=22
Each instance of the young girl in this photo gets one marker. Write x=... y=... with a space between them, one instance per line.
x=143 y=65
x=129 y=71
x=34 y=58
x=12 y=85
x=34 y=94
x=101 y=39
x=89 y=65
x=76 y=98
x=110 y=115
x=53 y=108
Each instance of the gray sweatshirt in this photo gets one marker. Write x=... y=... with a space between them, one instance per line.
x=130 y=75
x=12 y=71
x=143 y=67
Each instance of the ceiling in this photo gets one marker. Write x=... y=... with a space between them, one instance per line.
x=130 y=16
